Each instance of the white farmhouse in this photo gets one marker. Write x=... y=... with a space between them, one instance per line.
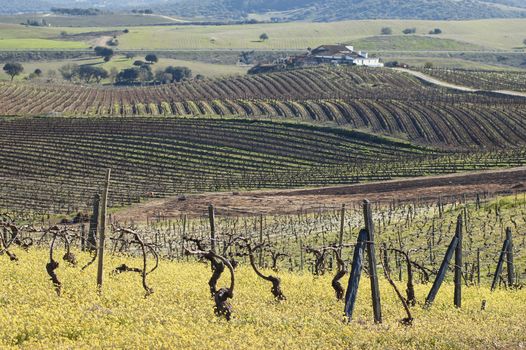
x=343 y=54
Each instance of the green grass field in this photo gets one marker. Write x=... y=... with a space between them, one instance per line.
x=24 y=44
x=490 y=34
x=487 y=34
x=413 y=43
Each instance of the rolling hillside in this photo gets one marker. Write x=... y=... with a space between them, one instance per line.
x=61 y=158
x=316 y=10
x=55 y=164
x=382 y=101
x=332 y=10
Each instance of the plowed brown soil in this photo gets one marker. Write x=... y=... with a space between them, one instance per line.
x=292 y=201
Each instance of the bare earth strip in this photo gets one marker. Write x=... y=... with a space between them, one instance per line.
x=309 y=200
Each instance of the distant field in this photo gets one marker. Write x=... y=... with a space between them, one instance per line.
x=413 y=43
x=21 y=44
x=487 y=34
x=91 y=21
x=490 y=34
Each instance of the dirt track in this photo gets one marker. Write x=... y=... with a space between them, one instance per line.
x=291 y=201
x=435 y=81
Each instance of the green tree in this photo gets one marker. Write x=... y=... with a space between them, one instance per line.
x=263 y=37
x=179 y=73
x=104 y=52
x=386 y=31
x=13 y=69
x=128 y=76
x=151 y=58
x=89 y=73
x=162 y=77
x=145 y=73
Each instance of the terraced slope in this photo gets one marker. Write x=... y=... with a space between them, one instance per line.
x=376 y=100
x=57 y=164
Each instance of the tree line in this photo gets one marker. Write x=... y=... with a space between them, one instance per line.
x=141 y=72
x=76 y=11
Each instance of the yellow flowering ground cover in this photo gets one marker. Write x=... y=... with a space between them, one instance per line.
x=179 y=315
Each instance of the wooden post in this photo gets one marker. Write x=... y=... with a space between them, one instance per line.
x=211 y=217
x=458 y=264
x=342 y=225
x=386 y=259
x=82 y=237
x=356 y=272
x=93 y=225
x=371 y=255
x=102 y=236
x=261 y=240
x=183 y=235
x=478 y=266
x=502 y=256
x=442 y=272
x=302 y=257
x=511 y=268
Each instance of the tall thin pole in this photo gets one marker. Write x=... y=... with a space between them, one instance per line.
x=211 y=217
x=102 y=227
x=261 y=239
x=478 y=266
x=511 y=268
x=371 y=255
x=342 y=225
x=458 y=264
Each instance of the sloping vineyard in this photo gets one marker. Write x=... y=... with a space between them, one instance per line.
x=57 y=164
x=480 y=79
x=376 y=100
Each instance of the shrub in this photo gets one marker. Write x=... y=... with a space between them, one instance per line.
x=386 y=31
x=151 y=58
